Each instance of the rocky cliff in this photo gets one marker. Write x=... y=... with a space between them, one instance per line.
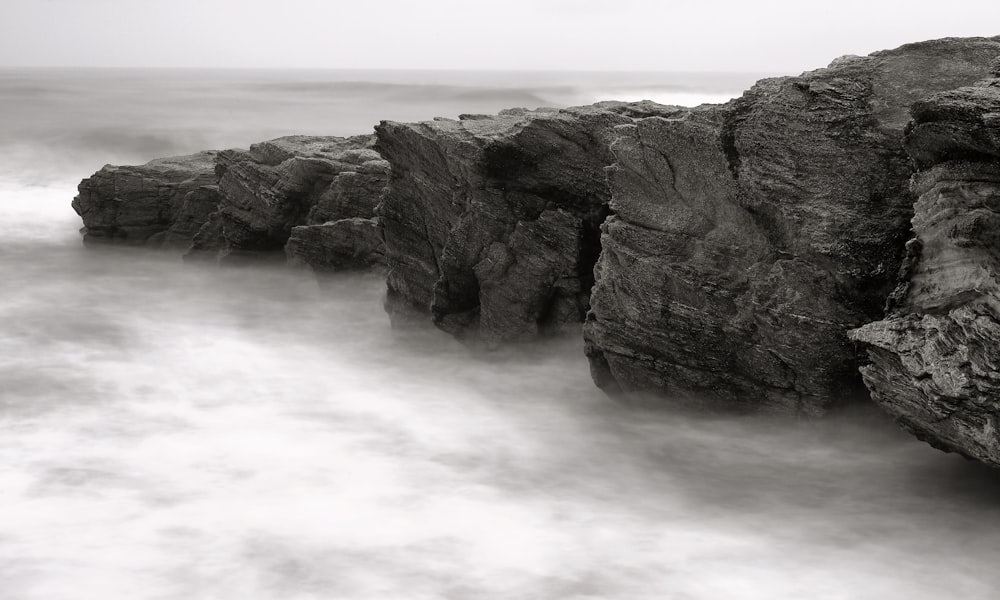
x=935 y=358
x=736 y=243
x=716 y=255
x=746 y=238
x=297 y=181
x=492 y=222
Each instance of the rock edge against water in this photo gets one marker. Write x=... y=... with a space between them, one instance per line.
x=305 y=198
x=715 y=255
x=935 y=358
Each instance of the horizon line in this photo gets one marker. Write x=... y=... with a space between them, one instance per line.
x=385 y=69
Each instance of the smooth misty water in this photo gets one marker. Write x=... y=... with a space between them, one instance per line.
x=175 y=432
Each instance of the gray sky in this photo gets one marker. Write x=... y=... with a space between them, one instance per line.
x=671 y=35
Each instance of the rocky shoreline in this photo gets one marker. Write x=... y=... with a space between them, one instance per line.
x=715 y=255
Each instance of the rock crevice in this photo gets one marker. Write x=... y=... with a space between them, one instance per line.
x=935 y=357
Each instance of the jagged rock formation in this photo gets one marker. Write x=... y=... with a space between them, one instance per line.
x=317 y=194
x=717 y=254
x=163 y=202
x=491 y=222
x=296 y=181
x=747 y=238
x=935 y=358
x=341 y=231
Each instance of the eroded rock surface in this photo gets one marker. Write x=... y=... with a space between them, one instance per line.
x=163 y=202
x=341 y=245
x=317 y=195
x=747 y=238
x=935 y=358
x=298 y=181
x=718 y=254
x=491 y=222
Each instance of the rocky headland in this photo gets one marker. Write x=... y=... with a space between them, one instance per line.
x=746 y=238
x=715 y=255
x=492 y=223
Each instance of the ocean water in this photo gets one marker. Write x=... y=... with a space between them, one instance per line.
x=177 y=432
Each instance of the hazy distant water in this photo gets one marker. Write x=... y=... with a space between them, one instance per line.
x=78 y=120
x=169 y=432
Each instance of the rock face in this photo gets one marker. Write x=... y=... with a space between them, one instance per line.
x=341 y=231
x=276 y=186
x=161 y=203
x=935 y=358
x=745 y=239
x=491 y=223
x=341 y=245
x=317 y=194
x=715 y=255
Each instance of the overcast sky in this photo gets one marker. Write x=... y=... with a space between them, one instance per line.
x=669 y=35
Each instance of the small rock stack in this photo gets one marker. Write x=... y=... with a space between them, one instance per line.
x=312 y=198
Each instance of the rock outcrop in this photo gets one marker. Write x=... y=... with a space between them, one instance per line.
x=350 y=244
x=161 y=203
x=312 y=197
x=935 y=358
x=341 y=230
x=492 y=222
x=745 y=239
x=295 y=181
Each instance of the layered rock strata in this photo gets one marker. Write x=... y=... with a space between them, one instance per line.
x=492 y=222
x=161 y=203
x=299 y=181
x=312 y=197
x=745 y=239
x=935 y=358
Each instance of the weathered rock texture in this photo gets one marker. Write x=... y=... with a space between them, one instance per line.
x=718 y=254
x=345 y=244
x=935 y=358
x=281 y=184
x=313 y=197
x=341 y=230
x=492 y=222
x=747 y=238
x=163 y=202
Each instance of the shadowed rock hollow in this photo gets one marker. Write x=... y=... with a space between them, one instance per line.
x=492 y=222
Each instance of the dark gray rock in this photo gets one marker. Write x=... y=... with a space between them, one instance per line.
x=491 y=222
x=747 y=238
x=161 y=203
x=935 y=357
x=245 y=204
x=294 y=181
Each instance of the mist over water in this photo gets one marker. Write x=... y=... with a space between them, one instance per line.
x=173 y=432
